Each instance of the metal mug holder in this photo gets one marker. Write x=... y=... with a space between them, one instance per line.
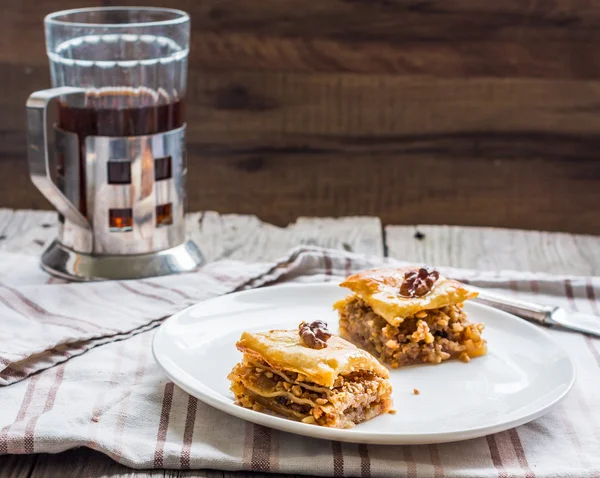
x=135 y=224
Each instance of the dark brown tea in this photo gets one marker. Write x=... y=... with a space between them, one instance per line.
x=115 y=113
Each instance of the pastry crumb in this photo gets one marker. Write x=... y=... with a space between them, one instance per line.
x=416 y=392
x=392 y=412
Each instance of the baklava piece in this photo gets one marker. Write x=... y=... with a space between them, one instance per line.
x=311 y=376
x=409 y=315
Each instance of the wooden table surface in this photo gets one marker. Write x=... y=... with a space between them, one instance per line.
x=247 y=238
x=472 y=112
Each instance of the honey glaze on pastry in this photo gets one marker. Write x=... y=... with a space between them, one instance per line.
x=337 y=385
x=409 y=315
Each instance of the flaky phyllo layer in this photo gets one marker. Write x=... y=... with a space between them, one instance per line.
x=429 y=336
x=353 y=398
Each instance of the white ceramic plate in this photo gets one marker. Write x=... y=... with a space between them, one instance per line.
x=523 y=376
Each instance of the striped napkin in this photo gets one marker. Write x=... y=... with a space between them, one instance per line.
x=76 y=369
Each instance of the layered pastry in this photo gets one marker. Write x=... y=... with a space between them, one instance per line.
x=409 y=315
x=309 y=375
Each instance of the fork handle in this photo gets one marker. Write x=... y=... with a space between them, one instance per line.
x=541 y=314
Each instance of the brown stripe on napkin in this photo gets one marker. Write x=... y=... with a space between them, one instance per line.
x=365 y=461
x=520 y=452
x=163 y=425
x=42 y=313
x=145 y=294
x=261 y=449
x=11 y=372
x=56 y=321
x=22 y=369
x=188 y=433
x=588 y=339
x=496 y=458
x=590 y=343
x=20 y=414
x=248 y=434
x=170 y=289
x=570 y=295
x=409 y=459
x=29 y=438
x=434 y=454
x=338 y=458
x=589 y=290
x=513 y=433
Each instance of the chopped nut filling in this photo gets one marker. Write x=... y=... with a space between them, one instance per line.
x=351 y=400
x=429 y=336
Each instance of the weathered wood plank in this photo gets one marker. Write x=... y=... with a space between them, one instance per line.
x=233 y=111
x=460 y=38
x=89 y=463
x=496 y=249
x=84 y=462
x=282 y=143
x=511 y=153
x=247 y=238
x=503 y=196
x=440 y=190
x=233 y=236
x=5 y=216
x=28 y=231
x=17 y=466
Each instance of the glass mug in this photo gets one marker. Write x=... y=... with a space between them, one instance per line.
x=119 y=80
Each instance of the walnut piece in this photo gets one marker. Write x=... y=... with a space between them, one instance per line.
x=418 y=283
x=315 y=334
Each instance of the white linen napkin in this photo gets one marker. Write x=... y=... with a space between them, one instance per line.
x=76 y=370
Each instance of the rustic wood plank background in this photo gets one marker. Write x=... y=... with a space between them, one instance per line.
x=465 y=112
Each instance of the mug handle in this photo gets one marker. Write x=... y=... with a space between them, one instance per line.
x=37 y=152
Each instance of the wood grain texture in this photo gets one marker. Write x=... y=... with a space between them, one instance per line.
x=18 y=466
x=246 y=238
x=495 y=249
x=89 y=463
x=24 y=232
x=553 y=39
x=467 y=112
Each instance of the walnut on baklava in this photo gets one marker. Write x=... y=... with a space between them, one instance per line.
x=311 y=376
x=409 y=315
